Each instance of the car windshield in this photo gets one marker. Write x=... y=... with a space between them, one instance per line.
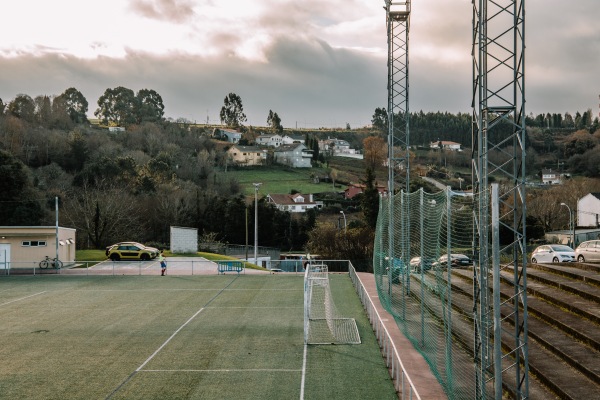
x=561 y=248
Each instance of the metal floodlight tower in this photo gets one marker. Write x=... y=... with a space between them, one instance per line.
x=398 y=25
x=499 y=150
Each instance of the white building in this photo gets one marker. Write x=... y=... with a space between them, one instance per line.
x=550 y=177
x=296 y=203
x=287 y=139
x=294 y=155
x=445 y=145
x=588 y=210
x=269 y=140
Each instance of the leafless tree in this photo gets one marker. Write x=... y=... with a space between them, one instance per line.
x=103 y=215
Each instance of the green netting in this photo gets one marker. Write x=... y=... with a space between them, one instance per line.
x=416 y=234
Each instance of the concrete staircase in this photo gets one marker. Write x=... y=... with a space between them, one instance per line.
x=564 y=326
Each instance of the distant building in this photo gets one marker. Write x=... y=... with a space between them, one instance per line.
x=294 y=155
x=228 y=135
x=291 y=139
x=26 y=246
x=354 y=189
x=445 y=145
x=246 y=155
x=338 y=147
x=296 y=203
x=588 y=210
x=269 y=140
x=550 y=177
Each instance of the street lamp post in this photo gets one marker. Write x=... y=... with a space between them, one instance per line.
x=345 y=225
x=571 y=226
x=256 y=186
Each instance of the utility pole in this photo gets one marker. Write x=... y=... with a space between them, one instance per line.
x=256 y=186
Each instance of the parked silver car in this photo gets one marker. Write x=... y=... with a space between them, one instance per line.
x=588 y=251
x=552 y=253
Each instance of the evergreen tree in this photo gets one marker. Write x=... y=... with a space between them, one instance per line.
x=370 y=199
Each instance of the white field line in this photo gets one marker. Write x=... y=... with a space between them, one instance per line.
x=22 y=298
x=261 y=307
x=221 y=370
x=168 y=340
x=182 y=290
x=303 y=372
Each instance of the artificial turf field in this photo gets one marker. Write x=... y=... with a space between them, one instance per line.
x=178 y=337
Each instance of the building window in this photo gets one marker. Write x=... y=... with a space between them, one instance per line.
x=33 y=243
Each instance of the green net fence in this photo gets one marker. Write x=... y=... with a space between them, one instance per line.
x=420 y=239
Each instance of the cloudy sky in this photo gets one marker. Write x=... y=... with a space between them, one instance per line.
x=314 y=62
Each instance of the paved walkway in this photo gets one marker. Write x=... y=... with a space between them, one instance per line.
x=417 y=369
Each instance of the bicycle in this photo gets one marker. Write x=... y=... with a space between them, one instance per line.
x=51 y=263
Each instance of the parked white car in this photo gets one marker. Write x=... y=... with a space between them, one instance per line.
x=553 y=253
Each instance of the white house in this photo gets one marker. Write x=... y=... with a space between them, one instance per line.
x=287 y=139
x=445 y=145
x=296 y=203
x=588 y=210
x=294 y=155
x=269 y=140
x=550 y=177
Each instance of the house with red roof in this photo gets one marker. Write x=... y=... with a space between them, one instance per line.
x=293 y=202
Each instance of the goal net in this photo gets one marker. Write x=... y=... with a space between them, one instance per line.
x=322 y=322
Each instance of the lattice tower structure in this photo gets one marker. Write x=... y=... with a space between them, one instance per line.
x=398 y=26
x=498 y=55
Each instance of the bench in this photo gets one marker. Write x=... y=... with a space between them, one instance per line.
x=229 y=266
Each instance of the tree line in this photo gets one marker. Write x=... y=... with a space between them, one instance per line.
x=126 y=185
x=568 y=143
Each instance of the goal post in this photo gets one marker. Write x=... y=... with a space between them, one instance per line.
x=322 y=322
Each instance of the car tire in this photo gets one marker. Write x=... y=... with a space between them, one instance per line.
x=144 y=257
x=115 y=257
x=581 y=258
x=555 y=260
x=534 y=260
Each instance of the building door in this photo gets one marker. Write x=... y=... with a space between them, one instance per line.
x=4 y=255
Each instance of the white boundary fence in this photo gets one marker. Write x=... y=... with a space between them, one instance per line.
x=402 y=381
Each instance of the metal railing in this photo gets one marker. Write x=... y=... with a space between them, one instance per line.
x=402 y=382
x=175 y=266
x=110 y=267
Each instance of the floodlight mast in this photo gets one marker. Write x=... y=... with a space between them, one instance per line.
x=398 y=24
x=499 y=127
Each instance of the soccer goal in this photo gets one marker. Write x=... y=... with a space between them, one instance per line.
x=322 y=323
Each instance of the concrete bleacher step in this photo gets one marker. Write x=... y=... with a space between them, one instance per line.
x=573 y=315
x=462 y=327
x=583 y=283
x=550 y=348
x=587 y=275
